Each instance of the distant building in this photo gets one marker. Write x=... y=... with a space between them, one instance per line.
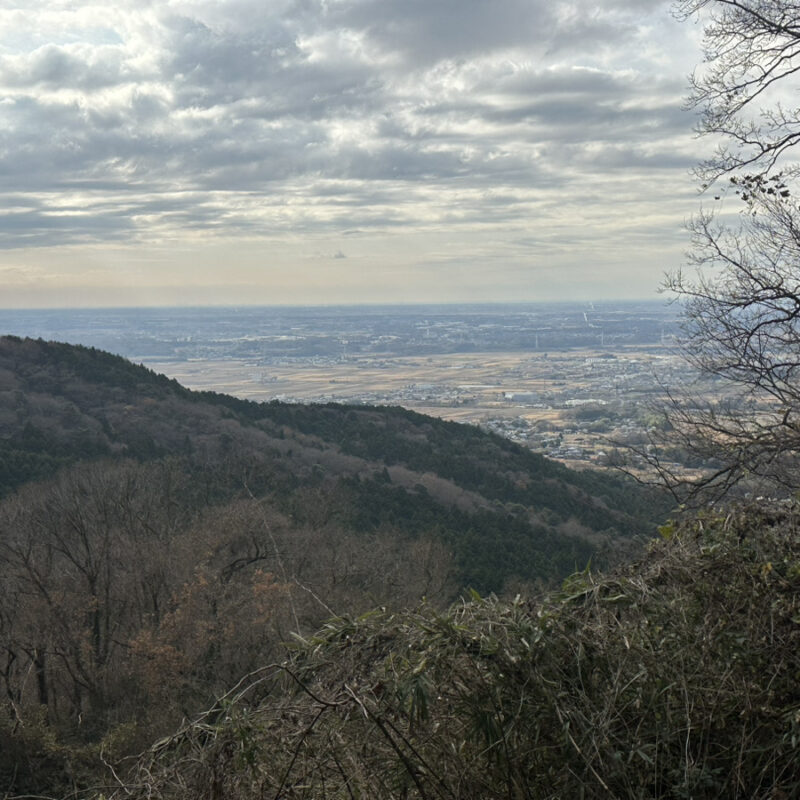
x=578 y=401
x=521 y=397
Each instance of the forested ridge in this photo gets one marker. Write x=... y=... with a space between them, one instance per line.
x=156 y=544
x=60 y=404
x=203 y=597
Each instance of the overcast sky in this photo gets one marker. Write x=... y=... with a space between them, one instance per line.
x=329 y=151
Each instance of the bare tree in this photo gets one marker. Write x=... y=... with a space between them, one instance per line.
x=750 y=50
x=741 y=294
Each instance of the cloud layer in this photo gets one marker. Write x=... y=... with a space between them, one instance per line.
x=510 y=137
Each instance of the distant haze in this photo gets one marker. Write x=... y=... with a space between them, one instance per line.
x=341 y=151
x=337 y=333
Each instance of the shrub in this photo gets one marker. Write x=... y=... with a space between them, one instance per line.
x=674 y=677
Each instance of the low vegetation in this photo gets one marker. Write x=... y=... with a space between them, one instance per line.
x=674 y=677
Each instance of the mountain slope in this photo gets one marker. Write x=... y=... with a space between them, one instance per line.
x=156 y=544
x=504 y=510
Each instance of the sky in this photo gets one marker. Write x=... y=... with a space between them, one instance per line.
x=342 y=151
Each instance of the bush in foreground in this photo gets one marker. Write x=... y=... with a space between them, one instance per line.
x=678 y=676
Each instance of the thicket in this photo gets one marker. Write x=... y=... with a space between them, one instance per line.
x=676 y=677
x=127 y=602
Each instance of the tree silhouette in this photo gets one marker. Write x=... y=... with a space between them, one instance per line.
x=741 y=292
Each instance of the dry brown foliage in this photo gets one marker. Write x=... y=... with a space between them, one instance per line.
x=676 y=677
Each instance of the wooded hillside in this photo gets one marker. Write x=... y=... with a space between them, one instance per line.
x=156 y=544
x=674 y=677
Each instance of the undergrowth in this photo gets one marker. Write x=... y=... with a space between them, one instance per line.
x=676 y=677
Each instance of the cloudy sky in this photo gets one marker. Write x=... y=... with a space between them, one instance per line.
x=326 y=151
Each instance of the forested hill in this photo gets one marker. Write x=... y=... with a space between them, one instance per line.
x=157 y=544
x=503 y=509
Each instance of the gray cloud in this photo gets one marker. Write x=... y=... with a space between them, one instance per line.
x=429 y=32
x=78 y=67
x=326 y=116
